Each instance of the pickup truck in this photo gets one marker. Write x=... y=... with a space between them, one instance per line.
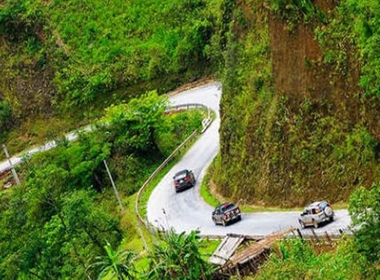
x=226 y=213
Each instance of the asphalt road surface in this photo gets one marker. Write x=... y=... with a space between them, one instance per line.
x=186 y=211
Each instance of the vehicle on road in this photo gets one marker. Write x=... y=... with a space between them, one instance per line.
x=316 y=213
x=183 y=180
x=226 y=213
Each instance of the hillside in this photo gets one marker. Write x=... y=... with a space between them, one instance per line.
x=71 y=59
x=300 y=82
x=299 y=122
x=300 y=101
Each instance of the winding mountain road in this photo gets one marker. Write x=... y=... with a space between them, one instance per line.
x=186 y=211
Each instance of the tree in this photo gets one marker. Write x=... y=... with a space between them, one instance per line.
x=177 y=256
x=364 y=209
x=115 y=264
x=131 y=126
x=51 y=229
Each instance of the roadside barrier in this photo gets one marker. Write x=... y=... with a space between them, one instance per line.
x=205 y=124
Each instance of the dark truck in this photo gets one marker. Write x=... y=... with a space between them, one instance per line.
x=226 y=213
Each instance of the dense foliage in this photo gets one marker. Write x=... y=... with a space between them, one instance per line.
x=365 y=17
x=299 y=122
x=73 y=57
x=125 y=42
x=56 y=224
x=365 y=213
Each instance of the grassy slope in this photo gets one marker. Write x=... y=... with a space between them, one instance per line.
x=71 y=59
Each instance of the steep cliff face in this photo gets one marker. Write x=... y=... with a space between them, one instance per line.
x=295 y=124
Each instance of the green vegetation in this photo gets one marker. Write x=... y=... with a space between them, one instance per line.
x=206 y=192
x=364 y=17
x=365 y=212
x=73 y=58
x=115 y=264
x=299 y=122
x=64 y=216
x=295 y=11
x=5 y=113
x=178 y=256
x=287 y=142
x=124 y=43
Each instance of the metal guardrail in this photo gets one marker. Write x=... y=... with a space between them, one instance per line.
x=205 y=123
x=189 y=106
x=154 y=174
